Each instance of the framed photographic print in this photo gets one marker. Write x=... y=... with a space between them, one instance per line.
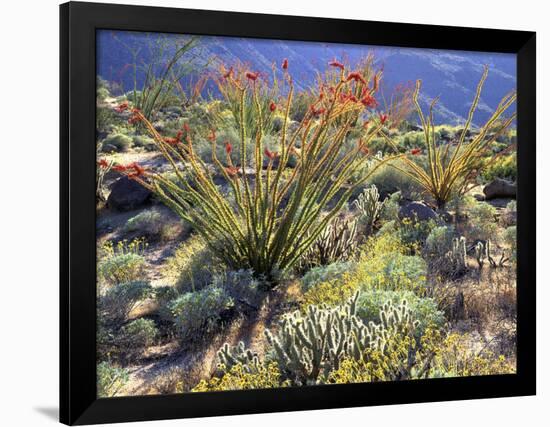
x=273 y=213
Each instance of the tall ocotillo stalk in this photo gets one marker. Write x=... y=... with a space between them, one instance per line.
x=453 y=171
x=277 y=215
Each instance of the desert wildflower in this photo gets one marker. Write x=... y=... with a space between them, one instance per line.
x=285 y=64
x=336 y=64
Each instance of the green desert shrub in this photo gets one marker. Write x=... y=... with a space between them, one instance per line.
x=482 y=222
x=110 y=379
x=143 y=141
x=424 y=310
x=509 y=214
x=241 y=286
x=198 y=313
x=325 y=273
x=510 y=237
x=439 y=241
x=388 y=180
x=134 y=337
x=120 y=268
x=149 y=223
x=390 y=208
x=504 y=167
x=192 y=266
x=119 y=141
x=119 y=300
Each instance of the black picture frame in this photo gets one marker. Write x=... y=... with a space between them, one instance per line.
x=78 y=25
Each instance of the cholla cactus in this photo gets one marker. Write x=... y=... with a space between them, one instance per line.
x=335 y=243
x=502 y=260
x=308 y=347
x=369 y=207
x=457 y=255
x=238 y=355
x=481 y=253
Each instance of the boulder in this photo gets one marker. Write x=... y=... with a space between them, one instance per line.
x=127 y=195
x=417 y=211
x=500 y=188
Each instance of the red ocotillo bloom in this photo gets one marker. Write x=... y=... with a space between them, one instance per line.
x=356 y=76
x=336 y=64
x=119 y=168
x=317 y=112
x=285 y=64
x=121 y=107
x=368 y=101
x=362 y=147
x=170 y=140
x=271 y=154
x=228 y=73
x=416 y=151
x=186 y=127
x=272 y=107
x=232 y=171
x=383 y=118
x=228 y=147
x=252 y=76
x=103 y=164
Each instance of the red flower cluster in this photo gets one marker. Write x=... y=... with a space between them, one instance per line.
x=317 y=112
x=133 y=169
x=416 y=151
x=368 y=101
x=228 y=73
x=336 y=64
x=252 y=76
x=228 y=147
x=135 y=117
x=285 y=64
x=272 y=107
x=271 y=155
x=121 y=107
x=383 y=118
x=232 y=170
x=356 y=76
x=104 y=164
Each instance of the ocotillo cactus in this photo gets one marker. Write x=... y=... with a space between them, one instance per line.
x=369 y=207
x=276 y=219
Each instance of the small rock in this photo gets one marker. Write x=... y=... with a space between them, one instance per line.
x=417 y=210
x=499 y=188
x=127 y=195
x=479 y=197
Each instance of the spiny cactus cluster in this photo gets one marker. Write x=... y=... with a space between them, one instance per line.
x=369 y=206
x=239 y=355
x=308 y=347
x=457 y=254
x=482 y=252
x=335 y=243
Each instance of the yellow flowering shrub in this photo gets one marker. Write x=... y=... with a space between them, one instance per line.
x=240 y=378
x=454 y=357
x=384 y=264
